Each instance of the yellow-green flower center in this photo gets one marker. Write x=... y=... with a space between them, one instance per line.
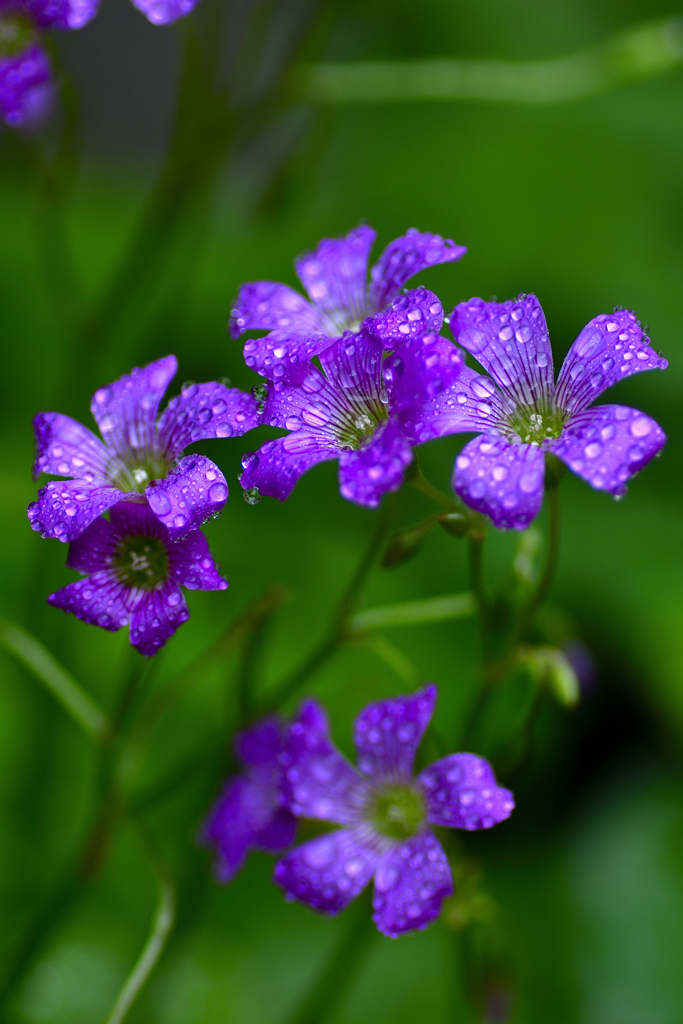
x=141 y=562
x=397 y=811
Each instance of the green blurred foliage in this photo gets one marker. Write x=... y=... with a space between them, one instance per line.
x=580 y=203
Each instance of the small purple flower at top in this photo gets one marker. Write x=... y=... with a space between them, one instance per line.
x=385 y=812
x=335 y=277
x=139 y=454
x=247 y=815
x=134 y=575
x=522 y=414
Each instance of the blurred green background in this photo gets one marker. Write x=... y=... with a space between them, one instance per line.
x=581 y=203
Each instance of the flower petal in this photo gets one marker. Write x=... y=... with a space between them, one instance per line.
x=193 y=491
x=269 y=306
x=64 y=15
x=235 y=818
x=278 y=834
x=126 y=410
x=193 y=565
x=259 y=745
x=66 y=448
x=610 y=348
x=281 y=354
x=408 y=315
x=26 y=87
x=387 y=733
x=608 y=444
x=328 y=872
x=156 y=618
x=203 y=411
x=93 y=549
x=66 y=507
x=503 y=480
x=412 y=881
x=353 y=367
x=164 y=12
x=317 y=781
x=420 y=380
x=462 y=792
x=406 y=256
x=100 y=600
x=365 y=475
x=335 y=274
x=276 y=467
x=510 y=340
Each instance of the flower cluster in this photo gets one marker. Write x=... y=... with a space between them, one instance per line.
x=136 y=562
x=385 y=813
x=362 y=375
x=26 y=76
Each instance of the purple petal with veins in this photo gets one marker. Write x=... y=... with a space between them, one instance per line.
x=193 y=491
x=408 y=316
x=387 y=733
x=268 y=306
x=407 y=256
x=203 y=411
x=328 y=872
x=503 y=480
x=608 y=444
x=65 y=508
x=365 y=475
x=461 y=792
x=334 y=276
x=411 y=882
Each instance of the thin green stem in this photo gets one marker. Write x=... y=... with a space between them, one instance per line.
x=340 y=623
x=341 y=969
x=420 y=483
x=45 y=667
x=162 y=924
x=548 y=575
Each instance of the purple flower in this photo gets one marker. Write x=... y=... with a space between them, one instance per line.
x=140 y=453
x=335 y=277
x=26 y=86
x=384 y=811
x=247 y=815
x=522 y=414
x=163 y=12
x=134 y=574
x=51 y=14
x=365 y=410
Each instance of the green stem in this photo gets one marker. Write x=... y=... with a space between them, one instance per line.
x=56 y=679
x=341 y=969
x=162 y=924
x=546 y=580
x=340 y=623
x=420 y=483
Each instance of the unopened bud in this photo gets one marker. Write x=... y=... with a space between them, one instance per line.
x=405 y=543
x=455 y=523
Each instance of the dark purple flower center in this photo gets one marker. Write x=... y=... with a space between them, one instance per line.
x=397 y=811
x=141 y=562
x=16 y=33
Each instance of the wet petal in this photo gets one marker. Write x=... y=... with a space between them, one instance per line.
x=503 y=480
x=335 y=275
x=281 y=355
x=100 y=600
x=408 y=316
x=365 y=475
x=193 y=565
x=412 y=881
x=65 y=14
x=164 y=12
x=66 y=507
x=193 y=491
x=608 y=444
x=126 y=410
x=317 y=781
x=610 y=348
x=26 y=87
x=65 y=447
x=510 y=340
x=259 y=745
x=387 y=733
x=462 y=792
x=419 y=379
x=276 y=467
x=92 y=550
x=203 y=411
x=235 y=818
x=353 y=367
x=406 y=256
x=269 y=306
x=328 y=872
x=470 y=402
x=156 y=618
x=278 y=834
